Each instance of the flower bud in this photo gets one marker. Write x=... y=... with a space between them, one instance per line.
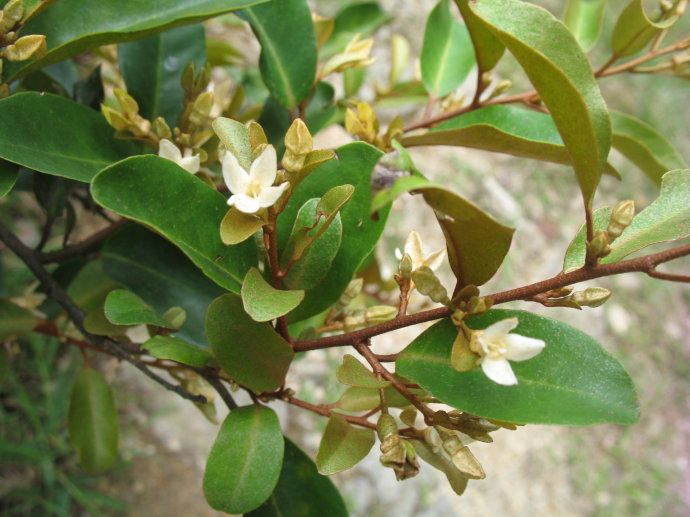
x=351 y=292
x=298 y=139
x=599 y=246
x=114 y=118
x=10 y=15
x=380 y=313
x=621 y=218
x=28 y=47
x=429 y=285
x=591 y=297
x=257 y=136
x=397 y=453
x=130 y=108
x=462 y=358
x=161 y=128
x=201 y=109
x=405 y=266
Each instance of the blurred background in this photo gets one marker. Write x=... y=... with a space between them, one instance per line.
x=605 y=470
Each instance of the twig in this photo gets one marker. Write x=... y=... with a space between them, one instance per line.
x=321 y=410
x=668 y=276
x=641 y=265
x=77 y=315
x=80 y=248
x=221 y=389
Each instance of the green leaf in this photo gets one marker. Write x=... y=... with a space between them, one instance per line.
x=365 y=399
x=162 y=276
x=315 y=263
x=252 y=353
x=123 y=307
x=362 y=18
x=151 y=190
x=354 y=373
x=644 y=146
x=265 y=303
x=456 y=480
x=245 y=461
x=179 y=350
x=57 y=136
x=634 y=29
x=301 y=491
x=9 y=173
x=476 y=242
x=360 y=234
x=399 y=187
x=72 y=28
x=235 y=137
x=282 y=27
x=97 y=323
x=93 y=422
x=90 y=286
x=487 y=47
x=666 y=219
x=584 y=18
x=14 y=320
x=152 y=68
x=447 y=53
x=236 y=226
x=574 y=381
x=561 y=73
x=342 y=446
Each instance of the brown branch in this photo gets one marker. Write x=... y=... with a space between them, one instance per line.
x=321 y=410
x=77 y=315
x=271 y=242
x=379 y=369
x=641 y=265
x=668 y=276
x=607 y=70
x=80 y=248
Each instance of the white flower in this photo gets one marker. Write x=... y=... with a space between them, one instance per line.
x=413 y=248
x=253 y=190
x=169 y=151
x=498 y=347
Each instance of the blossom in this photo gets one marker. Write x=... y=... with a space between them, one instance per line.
x=413 y=248
x=497 y=347
x=169 y=151
x=253 y=190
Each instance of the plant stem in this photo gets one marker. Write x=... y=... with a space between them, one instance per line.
x=80 y=248
x=321 y=410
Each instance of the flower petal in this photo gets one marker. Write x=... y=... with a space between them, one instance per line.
x=190 y=163
x=521 y=348
x=264 y=168
x=434 y=260
x=236 y=178
x=243 y=203
x=498 y=330
x=269 y=195
x=169 y=151
x=413 y=247
x=499 y=371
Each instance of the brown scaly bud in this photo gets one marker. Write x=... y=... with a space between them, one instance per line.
x=621 y=217
x=397 y=453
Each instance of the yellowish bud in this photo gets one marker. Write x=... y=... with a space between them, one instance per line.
x=380 y=313
x=201 y=109
x=161 y=128
x=298 y=139
x=429 y=285
x=462 y=358
x=257 y=136
x=11 y=14
x=591 y=297
x=130 y=108
x=28 y=47
x=621 y=217
x=114 y=118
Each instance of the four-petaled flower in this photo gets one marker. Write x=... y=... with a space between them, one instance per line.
x=413 y=248
x=497 y=347
x=169 y=151
x=253 y=190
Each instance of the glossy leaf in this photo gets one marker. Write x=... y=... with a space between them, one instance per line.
x=152 y=68
x=57 y=136
x=235 y=137
x=9 y=172
x=151 y=190
x=447 y=53
x=561 y=73
x=573 y=381
x=123 y=307
x=362 y=18
x=316 y=261
x=584 y=18
x=281 y=27
x=365 y=399
x=301 y=491
x=71 y=29
x=354 y=373
x=644 y=146
x=236 y=226
x=162 y=276
x=251 y=353
x=666 y=219
x=456 y=480
x=342 y=446
x=90 y=286
x=634 y=30
x=93 y=422
x=265 y=303
x=245 y=461
x=179 y=350
x=14 y=320
x=476 y=242
x=488 y=48
x=354 y=166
